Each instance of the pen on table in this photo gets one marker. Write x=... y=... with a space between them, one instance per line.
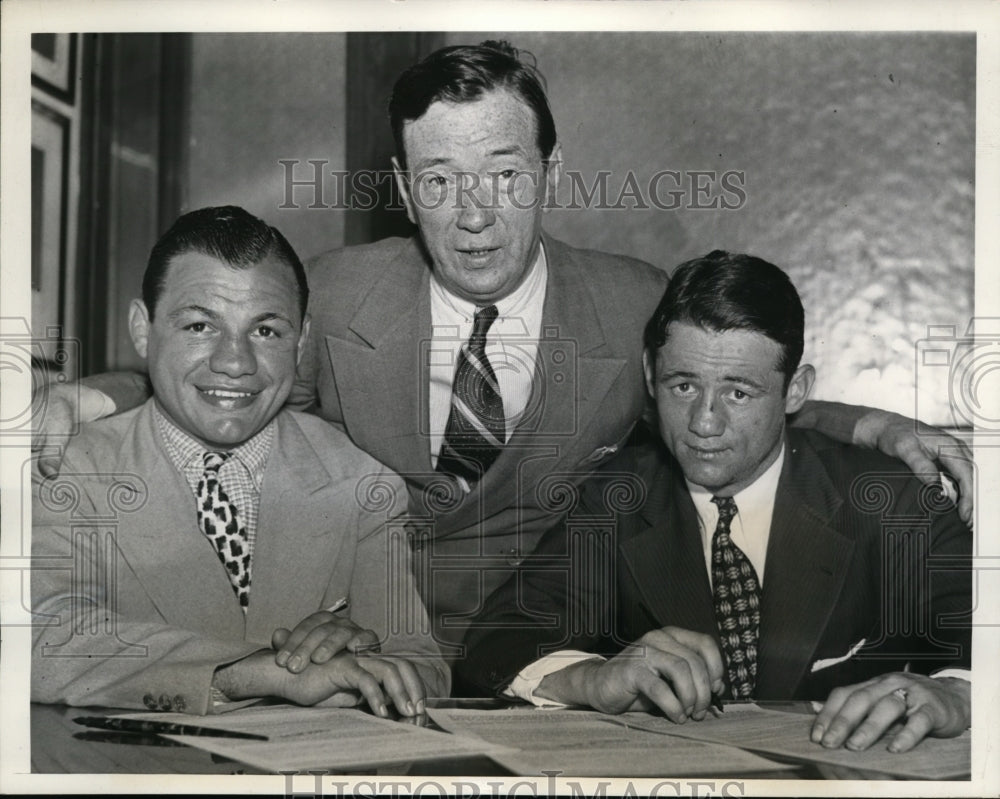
x=161 y=728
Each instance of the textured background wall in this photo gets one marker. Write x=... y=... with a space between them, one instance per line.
x=257 y=99
x=858 y=156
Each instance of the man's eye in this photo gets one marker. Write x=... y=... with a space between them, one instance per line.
x=507 y=174
x=197 y=327
x=265 y=331
x=682 y=389
x=740 y=396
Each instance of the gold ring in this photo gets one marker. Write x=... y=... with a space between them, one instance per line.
x=900 y=693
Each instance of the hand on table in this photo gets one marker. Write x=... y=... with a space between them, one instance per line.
x=672 y=669
x=319 y=637
x=924 y=449
x=855 y=716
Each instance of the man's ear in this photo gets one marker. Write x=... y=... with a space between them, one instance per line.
x=303 y=339
x=553 y=173
x=403 y=184
x=138 y=326
x=648 y=369
x=799 y=387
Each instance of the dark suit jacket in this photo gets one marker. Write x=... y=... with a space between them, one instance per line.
x=858 y=550
x=133 y=607
x=371 y=331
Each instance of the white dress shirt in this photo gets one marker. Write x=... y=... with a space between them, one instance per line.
x=511 y=347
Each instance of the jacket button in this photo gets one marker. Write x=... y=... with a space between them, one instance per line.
x=514 y=558
x=165 y=703
x=179 y=704
x=149 y=701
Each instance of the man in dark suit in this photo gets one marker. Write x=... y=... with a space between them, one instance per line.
x=546 y=337
x=192 y=548
x=786 y=565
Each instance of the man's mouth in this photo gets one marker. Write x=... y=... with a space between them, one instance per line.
x=478 y=254
x=228 y=398
x=707 y=453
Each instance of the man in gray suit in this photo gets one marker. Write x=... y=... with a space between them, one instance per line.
x=184 y=538
x=489 y=364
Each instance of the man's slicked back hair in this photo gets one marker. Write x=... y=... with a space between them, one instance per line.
x=723 y=291
x=462 y=74
x=227 y=233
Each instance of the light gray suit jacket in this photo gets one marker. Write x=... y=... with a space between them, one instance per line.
x=132 y=606
x=366 y=372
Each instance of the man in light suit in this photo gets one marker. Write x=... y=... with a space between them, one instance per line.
x=394 y=322
x=739 y=557
x=185 y=537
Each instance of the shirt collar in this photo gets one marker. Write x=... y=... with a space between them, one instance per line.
x=753 y=499
x=511 y=305
x=185 y=452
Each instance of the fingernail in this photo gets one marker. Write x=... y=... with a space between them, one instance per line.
x=281 y=658
x=855 y=743
x=689 y=710
x=816 y=735
x=409 y=709
x=295 y=663
x=421 y=706
x=383 y=711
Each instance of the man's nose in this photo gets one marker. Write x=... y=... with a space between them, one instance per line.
x=707 y=417
x=476 y=205
x=233 y=356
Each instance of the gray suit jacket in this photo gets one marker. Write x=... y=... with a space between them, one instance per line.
x=371 y=333
x=858 y=551
x=132 y=606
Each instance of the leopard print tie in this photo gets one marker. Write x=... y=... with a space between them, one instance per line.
x=219 y=519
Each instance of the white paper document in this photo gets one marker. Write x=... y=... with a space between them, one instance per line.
x=787 y=735
x=302 y=738
x=581 y=743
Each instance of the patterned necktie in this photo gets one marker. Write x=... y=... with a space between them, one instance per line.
x=476 y=428
x=219 y=519
x=737 y=603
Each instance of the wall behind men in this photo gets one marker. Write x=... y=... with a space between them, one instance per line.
x=850 y=162
x=258 y=99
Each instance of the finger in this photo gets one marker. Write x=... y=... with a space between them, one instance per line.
x=278 y=638
x=959 y=467
x=364 y=641
x=918 y=725
x=414 y=685
x=831 y=708
x=710 y=656
x=303 y=629
x=326 y=637
x=856 y=709
x=350 y=674
x=387 y=672
x=883 y=714
x=660 y=694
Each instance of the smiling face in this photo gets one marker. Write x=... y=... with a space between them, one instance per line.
x=476 y=187
x=223 y=345
x=721 y=403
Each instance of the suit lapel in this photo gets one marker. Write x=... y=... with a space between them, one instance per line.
x=379 y=367
x=292 y=533
x=807 y=564
x=169 y=556
x=573 y=374
x=665 y=557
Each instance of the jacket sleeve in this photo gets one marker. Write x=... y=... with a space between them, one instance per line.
x=384 y=595
x=86 y=649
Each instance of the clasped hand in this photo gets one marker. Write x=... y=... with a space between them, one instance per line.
x=331 y=654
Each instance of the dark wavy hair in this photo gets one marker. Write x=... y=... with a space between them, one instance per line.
x=464 y=73
x=724 y=291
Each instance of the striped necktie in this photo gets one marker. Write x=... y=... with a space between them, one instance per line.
x=736 y=591
x=476 y=428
